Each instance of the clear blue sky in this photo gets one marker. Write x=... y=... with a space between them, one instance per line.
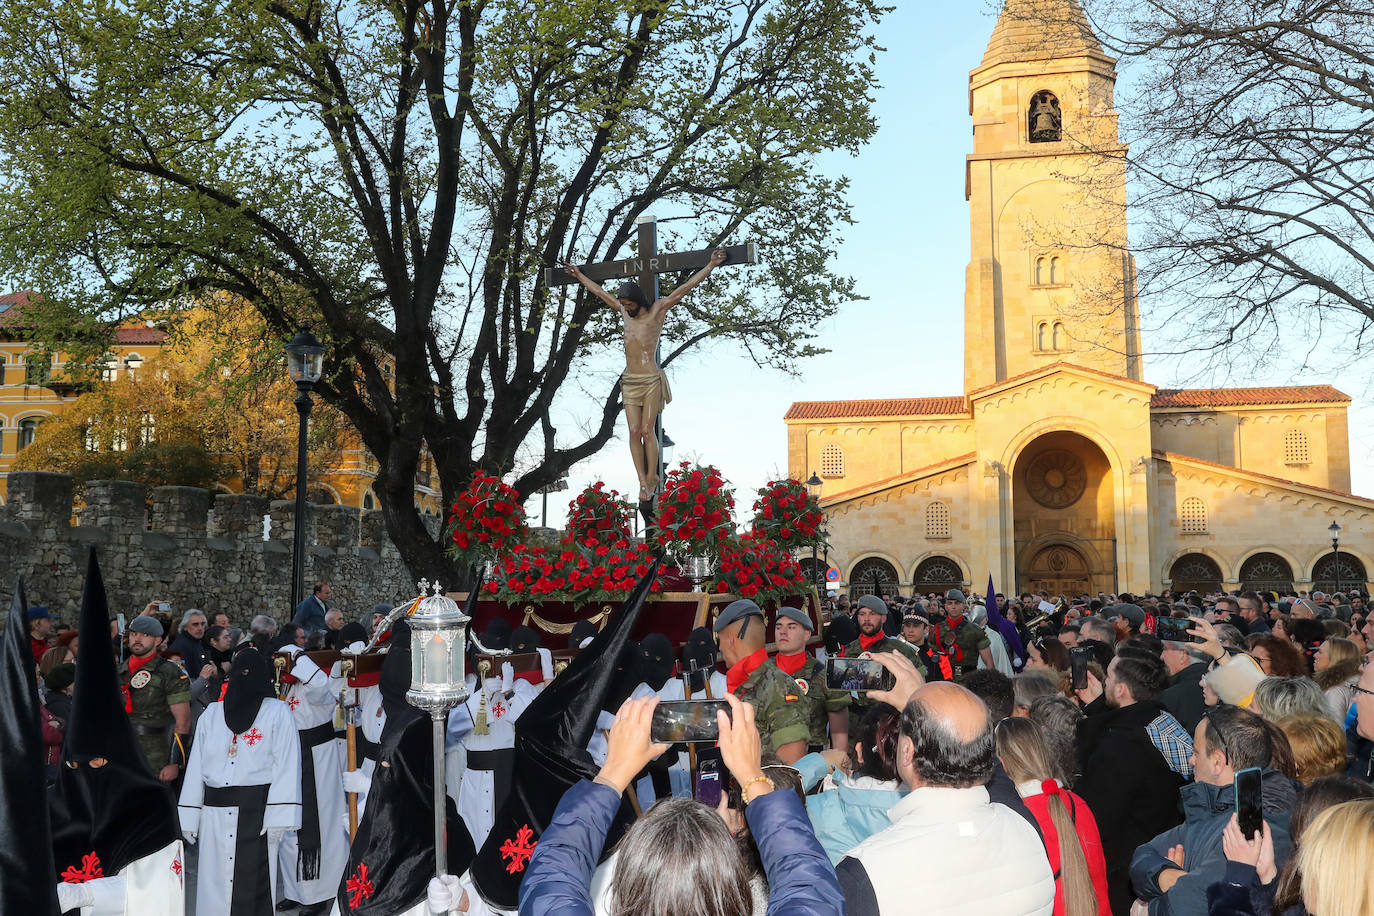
x=907 y=251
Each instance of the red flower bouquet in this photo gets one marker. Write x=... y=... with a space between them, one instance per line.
x=788 y=515
x=608 y=572
x=598 y=517
x=695 y=512
x=755 y=567
x=487 y=520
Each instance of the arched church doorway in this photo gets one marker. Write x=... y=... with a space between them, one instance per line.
x=1064 y=516
x=1059 y=569
x=1195 y=572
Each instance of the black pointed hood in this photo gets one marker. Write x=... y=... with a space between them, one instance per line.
x=551 y=756
x=25 y=831
x=120 y=811
x=250 y=682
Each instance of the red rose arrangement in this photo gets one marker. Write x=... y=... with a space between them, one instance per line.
x=788 y=515
x=598 y=517
x=608 y=572
x=695 y=512
x=487 y=520
x=752 y=566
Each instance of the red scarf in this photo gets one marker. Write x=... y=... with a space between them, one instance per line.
x=868 y=642
x=790 y=664
x=134 y=664
x=955 y=649
x=740 y=671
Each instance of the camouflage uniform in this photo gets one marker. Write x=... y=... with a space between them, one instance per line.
x=820 y=700
x=861 y=704
x=779 y=711
x=970 y=638
x=152 y=698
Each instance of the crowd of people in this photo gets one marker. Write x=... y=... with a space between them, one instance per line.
x=1037 y=754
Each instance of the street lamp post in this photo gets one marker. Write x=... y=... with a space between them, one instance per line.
x=813 y=488
x=305 y=363
x=1335 y=530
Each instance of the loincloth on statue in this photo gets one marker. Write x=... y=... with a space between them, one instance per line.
x=649 y=389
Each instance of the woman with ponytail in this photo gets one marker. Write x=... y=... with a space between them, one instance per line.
x=1070 y=832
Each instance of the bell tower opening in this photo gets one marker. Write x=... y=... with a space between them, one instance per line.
x=1045 y=121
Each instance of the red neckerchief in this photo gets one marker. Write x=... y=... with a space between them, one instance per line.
x=790 y=664
x=740 y=671
x=954 y=625
x=868 y=642
x=134 y=664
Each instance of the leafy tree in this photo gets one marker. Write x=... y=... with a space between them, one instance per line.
x=398 y=172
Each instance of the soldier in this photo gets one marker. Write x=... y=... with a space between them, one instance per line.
x=959 y=638
x=871 y=616
x=157 y=695
x=825 y=707
x=915 y=626
x=779 y=713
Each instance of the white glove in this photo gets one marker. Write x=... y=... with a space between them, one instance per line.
x=507 y=677
x=546 y=663
x=189 y=836
x=444 y=894
x=356 y=781
x=74 y=896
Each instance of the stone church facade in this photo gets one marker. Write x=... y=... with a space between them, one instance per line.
x=1060 y=467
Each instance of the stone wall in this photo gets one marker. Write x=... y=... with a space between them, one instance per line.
x=189 y=547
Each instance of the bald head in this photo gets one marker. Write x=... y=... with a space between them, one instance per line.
x=946 y=738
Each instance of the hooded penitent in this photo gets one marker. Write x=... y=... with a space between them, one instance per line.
x=392 y=856
x=250 y=682
x=25 y=834
x=699 y=657
x=657 y=664
x=105 y=815
x=524 y=639
x=551 y=752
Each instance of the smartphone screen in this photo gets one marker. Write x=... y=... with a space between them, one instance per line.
x=708 y=782
x=686 y=721
x=1078 y=660
x=857 y=674
x=164 y=606
x=1174 y=630
x=1249 y=801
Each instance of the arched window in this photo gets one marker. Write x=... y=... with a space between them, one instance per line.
x=28 y=429
x=134 y=362
x=1040 y=273
x=1339 y=572
x=813 y=571
x=1042 y=336
x=1044 y=120
x=937 y=520
x=369 y=501
x=872 y=576
x=1060 y=339
x=832 y=461
x=1266 y=572
x=1195 y=572
x=936 y=574
x=1192 y=516
x=1056 y=271
x=1295 y=447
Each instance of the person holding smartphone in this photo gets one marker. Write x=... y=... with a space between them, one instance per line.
x=1233 y=747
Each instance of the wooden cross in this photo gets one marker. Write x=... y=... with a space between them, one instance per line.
x=650 y=262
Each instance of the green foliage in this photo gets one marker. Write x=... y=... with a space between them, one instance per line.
x=399 y=173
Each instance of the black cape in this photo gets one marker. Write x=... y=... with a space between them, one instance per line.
x=26 y=856
x=119 y=812
x=551 y=756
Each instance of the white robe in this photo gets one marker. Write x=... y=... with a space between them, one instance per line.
x=313 y=700
x=274 y=759
x=476 y=798
x=154 y=885
x=371 y=719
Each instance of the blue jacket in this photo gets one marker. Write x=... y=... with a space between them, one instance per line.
x=847 y=815
x=1206 y=811
x=801 y=881
x=309 y=614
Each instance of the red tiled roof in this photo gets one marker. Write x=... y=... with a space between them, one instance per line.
x=139 y=335
x=882 y=407
x=1246 y=397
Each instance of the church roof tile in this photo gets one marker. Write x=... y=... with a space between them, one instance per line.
x=882 y=407
x=1247 y=397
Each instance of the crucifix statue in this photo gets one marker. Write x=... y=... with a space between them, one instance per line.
x=644 y=386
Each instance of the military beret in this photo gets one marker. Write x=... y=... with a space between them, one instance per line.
x=736 y=610
x=955 y=595
x=874 y=603
x=797 y=614
x=148 y=626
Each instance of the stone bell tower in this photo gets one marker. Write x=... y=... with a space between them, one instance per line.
x=1051 y=279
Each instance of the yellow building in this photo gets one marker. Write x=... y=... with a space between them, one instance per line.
x=35 y=386
x=1059 y=467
